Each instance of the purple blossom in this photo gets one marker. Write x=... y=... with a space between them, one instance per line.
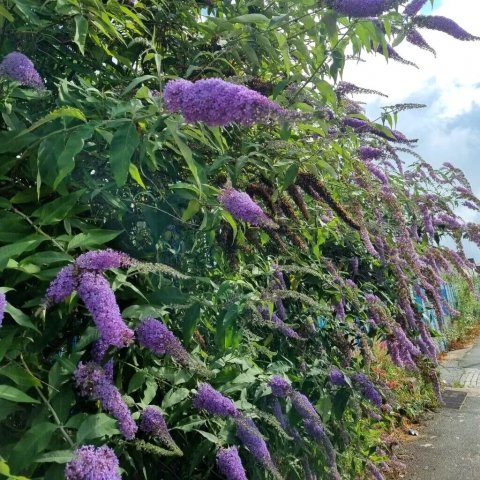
x=346 y=88
x=93 y=463
x=367 y=389
x=250 y=436
x=3 y=304
x=20 y=68
x=414 y=7
x=445 y=25
x=279 y=415
x=357 y=124
x=427 y=221
x=153 y=423
x=242 y=207
x=230 y=464
x=62 y=286
x=101 y=260
x=360 y=8
x=349 y=283
x=367 y=152
x=415 y=38
x=211 y=400
x=98 y=350
x=394 y=55
x=337 y=377
x=364 y=235
x=374 y=170
x=355 y=264
x=449 y=221
x=374 y=472
x=156 y=336
x=316 y=430
x=280 y=387
x=93 y=382
x=303 y=405
x=96 y=293
x=340 y=310
x=217 y=103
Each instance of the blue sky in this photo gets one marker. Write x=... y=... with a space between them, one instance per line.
x=449 y=128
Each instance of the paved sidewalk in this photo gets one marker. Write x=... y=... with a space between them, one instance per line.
x=448 y=447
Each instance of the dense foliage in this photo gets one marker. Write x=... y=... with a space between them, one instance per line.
x=269 y=240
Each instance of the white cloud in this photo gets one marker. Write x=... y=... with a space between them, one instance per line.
x=455 y=72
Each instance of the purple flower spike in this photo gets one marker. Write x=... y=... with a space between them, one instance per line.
x=251 y=437
x=230 y=464
x=211 y=400
x=155 y=336
x=367 y=389
x=96 y=293
x=153 y=423
x=3 y=304
x=370 y=153
x=280 y=387
x=94 y=382
x=414 y=7
x=93 y=463
x=242 y=207
x=415 y=38
x=392 y=53
x=62 y=286
x=20 y=68
x=360 y=8
x=218 y=103
x=337 y=377
x=100 y=260
x=445 y=25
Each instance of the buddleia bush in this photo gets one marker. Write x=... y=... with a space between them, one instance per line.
x=205 y=242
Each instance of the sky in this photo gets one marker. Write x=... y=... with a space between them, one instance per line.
x=449 y=128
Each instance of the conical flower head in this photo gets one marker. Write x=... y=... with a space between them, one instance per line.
x=230 y=464
x=242 y=207
x=20 y=68
x=93 y=463
x=445 y=25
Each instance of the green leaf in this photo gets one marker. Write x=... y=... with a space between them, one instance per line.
x=74 y=145
x=81 y=31
x=96 y=426
x=13 y=394
x=250 y=18
x=92 y=238
x=57 y=456
x=20 y=318
x=190 y=321
x=175 y=396
x=136 y=82
x=20 y=376
x=61 y=112
x=6 y=14
x=8 y=252
x=53 y=212
x=212 y=438
x=124 y=142
x=137 y=381
x=135 y=174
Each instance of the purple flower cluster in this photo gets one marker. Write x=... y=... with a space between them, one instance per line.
x=377 y=172
x=449 y=221
x=242 y=207
x=367 y=389
x=337 y=377
x=93 y=463
x=402 y=350
x=280 y=324
x=415 y=38
x=445 y=25
x=211 y=400
x=230 y=465
x=250 y=436
x=62 y=286
x=153 y=423
x=20 y=68
x=365 y=236
x=280 y=387
x=93 y=382
x=155 y=336
x=340 y=310
x=97 y=295
x=414 y=7
x=394 y=55
x=100 y=260
x=360 y=8
x=218 y=103
x=3 y=304
x=367 y=152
